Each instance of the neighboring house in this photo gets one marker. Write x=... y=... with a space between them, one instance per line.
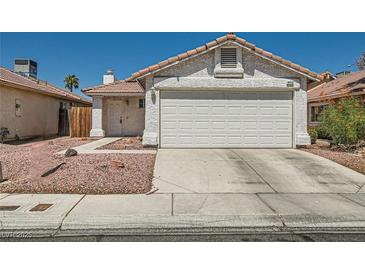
x=346 y=85
x=227 y=93
x=31 y=107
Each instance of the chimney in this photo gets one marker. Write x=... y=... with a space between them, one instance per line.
x=109 y=77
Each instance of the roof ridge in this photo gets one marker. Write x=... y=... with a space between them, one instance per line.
x=215 y=43
x=110 y=84
x=339 y=86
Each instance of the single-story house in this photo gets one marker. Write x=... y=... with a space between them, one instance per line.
x=227 y=93
x=31 y=107
x=344 y=85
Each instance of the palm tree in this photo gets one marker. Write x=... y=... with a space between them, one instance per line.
x=71 y=82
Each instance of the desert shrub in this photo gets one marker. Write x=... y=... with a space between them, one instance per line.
x=322 y=134
x=344 y=121
x=313 y=134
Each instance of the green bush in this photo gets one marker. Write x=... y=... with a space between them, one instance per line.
x=344 y=121
x=322 y=134
x=313 y=134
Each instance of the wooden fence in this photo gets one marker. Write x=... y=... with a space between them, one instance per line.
x=80 y=121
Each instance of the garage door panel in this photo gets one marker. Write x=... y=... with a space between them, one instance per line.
x=169 y=125
x=185 y=110
x=186 y=125
x=218 y=139
x=235 y=140
x=234 y=125
x=226 y=119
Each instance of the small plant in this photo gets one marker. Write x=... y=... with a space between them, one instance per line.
x=313 y=134
x=344 y=121
x=4 y=132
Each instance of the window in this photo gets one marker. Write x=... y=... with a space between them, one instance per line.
x=228 y=57
x=315 y=113
x=141 y=103
x=18 y=108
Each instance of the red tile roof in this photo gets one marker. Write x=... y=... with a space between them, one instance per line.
x=342 y=86
x=120 y=86
x=10 y=77
x=217 y=42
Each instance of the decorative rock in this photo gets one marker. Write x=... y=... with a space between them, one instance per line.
x=70 y=152
x=52 y=170
x=117 y=163
x=1 y=174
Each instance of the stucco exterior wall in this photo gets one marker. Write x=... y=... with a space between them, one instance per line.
x=199 y=72
x=39 y=113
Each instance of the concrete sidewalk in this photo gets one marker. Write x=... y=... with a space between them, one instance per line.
x=186 y=215
x=91 y=148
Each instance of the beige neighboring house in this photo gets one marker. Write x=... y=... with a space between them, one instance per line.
x=332 y=89
x=31 y=107
x=227 y=93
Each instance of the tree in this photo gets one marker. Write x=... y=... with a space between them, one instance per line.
x=360 y=63
x=71 y=82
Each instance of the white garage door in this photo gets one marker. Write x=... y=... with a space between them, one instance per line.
x=210 y=119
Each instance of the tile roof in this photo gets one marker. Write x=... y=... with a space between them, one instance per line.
x=217 y=42
x=120 y=86
x=345 y=85
x=10 y=77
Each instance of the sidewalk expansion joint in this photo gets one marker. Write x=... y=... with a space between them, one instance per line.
x=6 y=195
x=272 y=209
x=170 y=183
x=349 y=199
x=360 y=188
x=68 y=212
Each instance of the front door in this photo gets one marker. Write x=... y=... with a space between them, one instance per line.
x=116 y=119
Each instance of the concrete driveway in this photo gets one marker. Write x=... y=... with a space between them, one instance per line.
x=251 y=171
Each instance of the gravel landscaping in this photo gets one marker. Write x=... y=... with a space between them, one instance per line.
x=127 y=143
x=354 y=161
x=85 y=174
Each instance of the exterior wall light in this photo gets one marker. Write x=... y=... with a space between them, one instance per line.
x=153 y=91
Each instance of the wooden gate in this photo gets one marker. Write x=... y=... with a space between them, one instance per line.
x=63 y=122
x=80 y=121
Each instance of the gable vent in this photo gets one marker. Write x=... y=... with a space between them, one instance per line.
x=228 y=57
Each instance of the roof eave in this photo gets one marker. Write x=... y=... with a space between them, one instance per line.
x=119 y=94
x=334 y=96
x=24 y=87
x=132 y=78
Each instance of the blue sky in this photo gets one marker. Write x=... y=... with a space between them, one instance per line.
x=89 y=55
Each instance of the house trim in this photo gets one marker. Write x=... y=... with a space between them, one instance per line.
x=229 y=42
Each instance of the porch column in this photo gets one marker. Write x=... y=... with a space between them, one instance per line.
x=300 y=99
x=97 y=117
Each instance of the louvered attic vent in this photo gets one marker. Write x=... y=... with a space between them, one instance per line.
x=228 y=58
